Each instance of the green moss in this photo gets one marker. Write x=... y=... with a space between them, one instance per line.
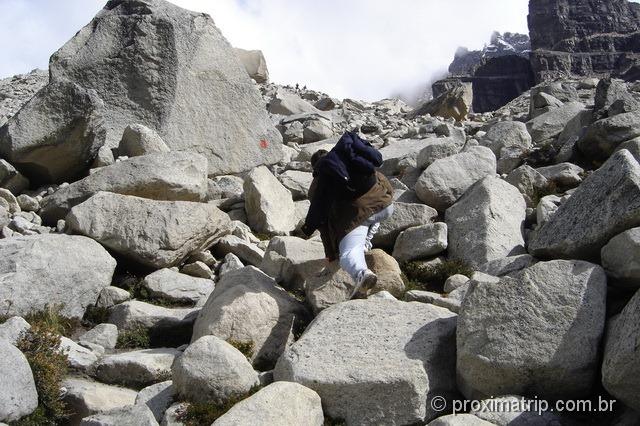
x=50 y=319
x=135 y=338
x=417 y=276
x=197 y=414
x=49 y=366
x=262 y=236
x=245 y=347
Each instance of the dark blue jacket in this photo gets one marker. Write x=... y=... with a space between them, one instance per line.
x=345 y=173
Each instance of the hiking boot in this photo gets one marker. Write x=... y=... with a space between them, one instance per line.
x=365 y=281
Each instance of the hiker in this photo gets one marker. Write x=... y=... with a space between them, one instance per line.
x=349 y=199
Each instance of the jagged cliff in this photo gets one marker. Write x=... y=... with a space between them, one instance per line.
x=585 y=38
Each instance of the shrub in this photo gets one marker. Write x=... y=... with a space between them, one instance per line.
x=97 y=315
x=417 y=276
x=196 y=414
x=49 y=366
x=135 y=338
x=50 y=319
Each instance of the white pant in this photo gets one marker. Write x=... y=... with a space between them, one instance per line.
x=353 y=245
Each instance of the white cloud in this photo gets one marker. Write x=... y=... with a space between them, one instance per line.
x=364 y=49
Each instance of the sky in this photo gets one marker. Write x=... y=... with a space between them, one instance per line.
x=363 y=49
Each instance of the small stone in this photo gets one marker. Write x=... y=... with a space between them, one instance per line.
x=197 y=269
x=105 y=335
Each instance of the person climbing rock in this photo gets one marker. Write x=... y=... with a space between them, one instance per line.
x=349 y=199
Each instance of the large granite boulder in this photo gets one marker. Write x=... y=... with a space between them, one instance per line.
x=384 y=373
x=18 y=396
x=169 y=285
x=254 y=63
x=268 y=203
x=603 y=137
x=56 y=135
x=159 y=234
x=129 y=415
x=175 y=176
x=138 y=368
x=85 y=397
x=51 y=269
x=621 y=364
x=282 y=403
x=506 y=134
x=445 y=180
x=212 y=370
x=604 y=205
x=291 y=260
x=405 y=215
x=171 y=70
x=247 y=306
x=535 y=333
x=621 y=258
x=546 y=127
x=486 y=223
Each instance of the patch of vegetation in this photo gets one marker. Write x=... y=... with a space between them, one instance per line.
x=135 y=338
x=197 y=414
x=418 y=276
x=245 y=347
x=40 y=345
x=262 y=236
x=96 y=315
x=51 y=319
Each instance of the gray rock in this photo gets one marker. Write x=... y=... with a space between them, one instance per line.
x=317 y=130
x=269 y=204
x=506 y=134
x=606 y=204
x=529 y=182
x=254 y=63
x=414 y=340
x=546 y=127
x=79 y=357
x=603 y=136
x=231 y=262
x=405 y=215
x=175 y=176
x=51 y=269
x=633 y=146
x=111 y=296
x=197 y=270
x=132 y=415
x=292 y=260
x=400 y=155
x=282 y=403
x=135 y=314
x=564 y=175
x=507 y=265
x=136 y=368
x=159 y=234
x=11 y=179
x=248 y=307
x=56 y=134
x=565 y=145
x=621 y=258
x=435 y=299
x=444 y=181
x=85 y=397
x=173 y=414
x=454 y=282
x=285 y=103
x=157 y=397
x=246 y=251
x=609 y=91
x=486 y=223
x=436 y=149
x=27 y=203
x=138 y=139
x=535 y=332
x=330 y=286
x=11 y=201
x=420 y=242
x=621 y=366
x=13 y=328
x=105 y=335
x=170 y=285
x=18 y=396
x=296 y=182
x=212 y=370
x=153 y=80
